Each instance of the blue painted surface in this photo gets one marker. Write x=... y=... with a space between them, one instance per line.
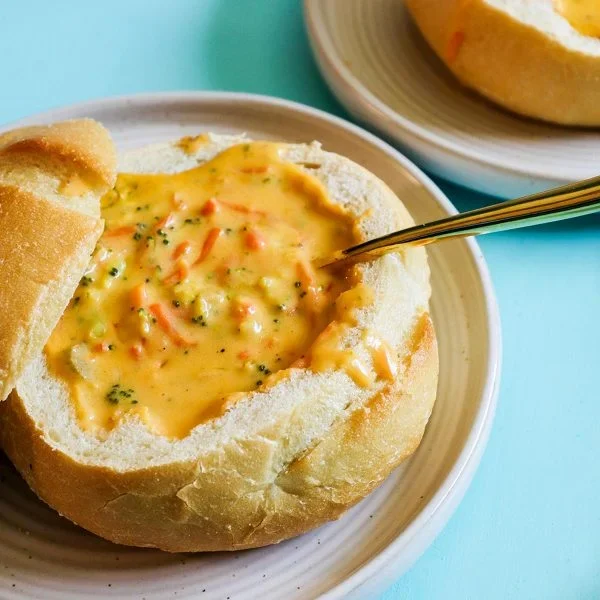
x=529 y=526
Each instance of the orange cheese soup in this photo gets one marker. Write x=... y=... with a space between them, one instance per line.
x=583 y=15
x=200 y=287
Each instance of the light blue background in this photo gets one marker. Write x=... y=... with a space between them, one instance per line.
x=529 y=526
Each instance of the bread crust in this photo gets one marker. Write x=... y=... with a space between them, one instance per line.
x=512 y=63
x=83 y=146
x=46 y=238
x=259 y=485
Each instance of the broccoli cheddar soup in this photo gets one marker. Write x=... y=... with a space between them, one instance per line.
x=202 y=286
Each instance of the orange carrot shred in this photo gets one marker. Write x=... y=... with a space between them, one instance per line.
x=166 y=221
x=165 y=321
x=210 y=207
x=243 y=209
x=138 y=296
x=242 y=309
x=136 y=351
x=254 y=240
x=211 y=238
x=101 y=347
x=182 y=249
x=125 y=230
x=256 y=169
x=179 y=274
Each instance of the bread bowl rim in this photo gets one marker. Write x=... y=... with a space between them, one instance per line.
x=380 y=274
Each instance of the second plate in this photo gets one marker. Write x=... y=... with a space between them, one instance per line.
x=381 y=69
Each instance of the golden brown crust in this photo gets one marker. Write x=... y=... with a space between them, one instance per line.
x=40 y=243
x=203 y=505
x=82 y=146
x=510 y=62
x=45 y=238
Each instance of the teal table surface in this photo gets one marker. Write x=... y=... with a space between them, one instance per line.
x=529 y=526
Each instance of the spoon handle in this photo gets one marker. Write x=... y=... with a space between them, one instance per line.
x=573 y=200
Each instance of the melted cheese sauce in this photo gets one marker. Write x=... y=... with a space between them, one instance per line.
x=329 y=351
x=583 y=15
x=201 y=287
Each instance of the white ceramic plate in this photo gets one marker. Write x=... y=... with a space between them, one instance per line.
x=382 y=70
x=44 y=556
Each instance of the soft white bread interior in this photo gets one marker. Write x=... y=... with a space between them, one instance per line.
x=522 y=54
x=51 y=181
x=280 y=461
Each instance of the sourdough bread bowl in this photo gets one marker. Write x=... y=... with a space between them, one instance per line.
x=51 y=180
x=279 y=460
x=524 y=55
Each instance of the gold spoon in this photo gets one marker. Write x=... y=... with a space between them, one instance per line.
x=573 y=200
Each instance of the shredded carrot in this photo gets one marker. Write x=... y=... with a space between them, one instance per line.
x=211 y=238
x=166 y=221
x=101 y=347
x=182 y=270
x=182 y=249
x=125 y=230
x=243 y=209
x=138 y=296
x=244 y=355
x=210 y=207
x=254 y=240
x=258 y=169
x=136 y=351
x=242 y=309
x=165 y=319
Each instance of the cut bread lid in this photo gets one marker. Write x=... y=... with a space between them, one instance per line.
x=51 y=181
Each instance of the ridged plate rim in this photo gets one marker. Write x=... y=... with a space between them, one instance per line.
x=393 y=560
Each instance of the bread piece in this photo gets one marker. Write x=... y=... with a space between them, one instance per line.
x=280 y=461
x=521 y=54
x=51 y=180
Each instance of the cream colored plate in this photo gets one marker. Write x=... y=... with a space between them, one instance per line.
x=382 y=70
x=44 y=556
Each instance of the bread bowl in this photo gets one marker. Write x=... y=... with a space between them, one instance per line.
x=540 y=58
x=296 y=450
x=51 y=180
